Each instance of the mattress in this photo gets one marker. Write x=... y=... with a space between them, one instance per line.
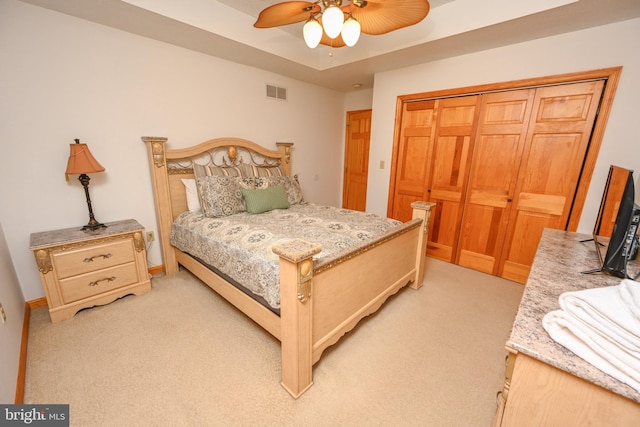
x=239 y=245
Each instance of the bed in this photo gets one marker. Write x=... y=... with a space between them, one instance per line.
x=319 y=299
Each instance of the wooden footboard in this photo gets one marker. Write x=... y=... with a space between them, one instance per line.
x=319 y=304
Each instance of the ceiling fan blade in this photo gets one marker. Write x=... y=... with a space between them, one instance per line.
x=383 y=16
x=286 y=13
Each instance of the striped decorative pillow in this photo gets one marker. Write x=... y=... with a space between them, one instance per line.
x=201 y=171
x=251 y=170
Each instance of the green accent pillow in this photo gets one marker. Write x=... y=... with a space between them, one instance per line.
x=261 y=200
x=290 y=183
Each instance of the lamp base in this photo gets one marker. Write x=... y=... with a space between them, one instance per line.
x=93 y=225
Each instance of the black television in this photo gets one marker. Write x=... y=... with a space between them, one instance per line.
x=623 y=243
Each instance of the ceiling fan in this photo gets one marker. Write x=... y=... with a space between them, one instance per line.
x=327 y=25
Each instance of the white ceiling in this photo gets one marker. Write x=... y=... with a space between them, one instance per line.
x=224 y=28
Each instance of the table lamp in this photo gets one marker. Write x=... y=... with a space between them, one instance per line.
x=82 y=162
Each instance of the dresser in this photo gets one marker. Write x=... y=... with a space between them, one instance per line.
x=546 y=384
x=81 y=269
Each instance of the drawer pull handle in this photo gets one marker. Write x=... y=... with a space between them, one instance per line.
x=108 y=279
x=105 y=256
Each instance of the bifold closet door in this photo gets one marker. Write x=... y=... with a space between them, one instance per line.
x=449 y=165
x=411 y=167
x=500 y=167
x=500 y=140
x=432 y=159
x=555 y=148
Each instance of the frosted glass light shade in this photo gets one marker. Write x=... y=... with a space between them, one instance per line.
x=312 y=32
x=350 y=31
x=332 y=20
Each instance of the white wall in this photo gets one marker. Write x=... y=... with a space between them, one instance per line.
x=10 y=332
x=601 y=47
x=63 y=78
x=361 y=99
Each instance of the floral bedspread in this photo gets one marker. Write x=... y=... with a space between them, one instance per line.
x=240 y=245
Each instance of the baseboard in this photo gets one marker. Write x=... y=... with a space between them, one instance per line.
x=32 y=305
x=157 y=269
x=22 y=364
x=37 y=303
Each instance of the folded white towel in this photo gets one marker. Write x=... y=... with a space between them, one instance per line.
x=630 y=293
x=614 y=311
x=595 y=348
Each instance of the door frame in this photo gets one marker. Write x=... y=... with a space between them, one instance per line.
x=610 y=75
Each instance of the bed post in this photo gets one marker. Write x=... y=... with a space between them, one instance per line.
x=285 y=149
x=296 y=314
x=421 y=210
x=158 y=165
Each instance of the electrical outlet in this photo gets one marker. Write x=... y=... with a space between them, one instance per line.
x=149 y=236
x=3 y=315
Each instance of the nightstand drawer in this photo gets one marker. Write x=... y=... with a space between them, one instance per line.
x=93 y=258
x=97 y=282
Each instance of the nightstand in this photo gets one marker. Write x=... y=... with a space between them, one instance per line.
x=81 y=269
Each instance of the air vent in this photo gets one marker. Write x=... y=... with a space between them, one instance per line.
x=276 y=92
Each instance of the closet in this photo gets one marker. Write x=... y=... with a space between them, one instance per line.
x=501 y=165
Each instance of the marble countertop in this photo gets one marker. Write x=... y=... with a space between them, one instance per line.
x=67 y=235
x=560 y=260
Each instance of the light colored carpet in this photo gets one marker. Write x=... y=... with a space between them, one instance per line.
x=182 y=356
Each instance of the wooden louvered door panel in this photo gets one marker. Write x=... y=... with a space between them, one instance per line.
x=449 y=165
x=499 y=144
x=411 y=168
x=356 y=161
x=556 y=144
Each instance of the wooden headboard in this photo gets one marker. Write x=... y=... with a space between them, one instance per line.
x=169 y=167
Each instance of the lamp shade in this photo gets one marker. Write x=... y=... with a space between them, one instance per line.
x=332 y=20
x=350 y=31
x=81 y=160
x=312 y=32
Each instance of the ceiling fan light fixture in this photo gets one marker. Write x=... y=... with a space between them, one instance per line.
x=332 y=20
x=350 y=31
x=312 y=32
x=372 y=17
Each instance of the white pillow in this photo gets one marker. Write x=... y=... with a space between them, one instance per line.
x=193 y=201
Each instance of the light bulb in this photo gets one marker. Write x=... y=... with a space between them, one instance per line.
x=350 y=31
x=312 y=32
x=332 y=20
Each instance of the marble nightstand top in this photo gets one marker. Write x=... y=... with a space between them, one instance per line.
x=68 y=235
